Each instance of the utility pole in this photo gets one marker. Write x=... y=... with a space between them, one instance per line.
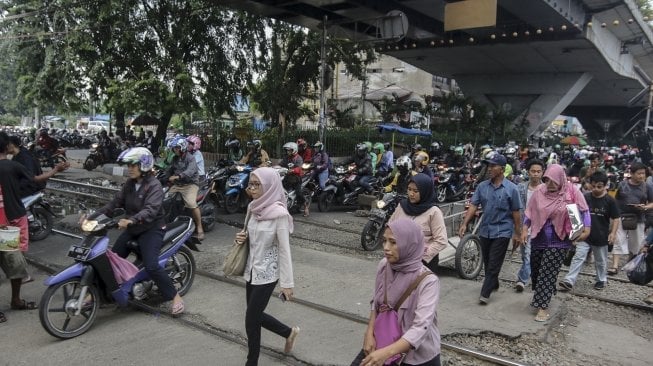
x=648 y=108
x=322 y=123
x=363 y=95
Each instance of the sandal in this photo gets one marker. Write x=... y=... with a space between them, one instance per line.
x=177 y=309
x=24 y=305
x=613 y=271
x=3 y=318
x=199 y=236
x=27 y=279
x=290 y=341
x=542 y=316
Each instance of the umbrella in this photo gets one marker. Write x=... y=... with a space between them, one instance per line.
x=145 y=120
x=573 y=140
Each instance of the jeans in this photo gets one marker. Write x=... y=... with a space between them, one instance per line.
x=323 y=177
x=524 y=273
x=149 y=248
x=365 y=182
x=600 y=262
x=258 y=297
x=494 y=252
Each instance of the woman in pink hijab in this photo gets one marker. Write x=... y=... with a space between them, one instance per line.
x=546 y=216
x=269 y=261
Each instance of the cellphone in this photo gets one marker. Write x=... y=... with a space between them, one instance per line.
x=282 y=296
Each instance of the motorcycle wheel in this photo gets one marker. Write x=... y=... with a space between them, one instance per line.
x=181 y=269
x=208 y=222
x=441 y=193
x=58 y=306
x=371 y=237
x=469 y=258
x=42 y=225
x=232 y=203
x=325 y=201
x=90 y=164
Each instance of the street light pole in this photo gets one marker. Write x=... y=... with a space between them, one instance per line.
x=322 y=123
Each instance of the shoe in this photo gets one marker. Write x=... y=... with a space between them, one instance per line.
x=483 y=300
x=600 y=285
x=542 y=316
x=24 y=305
x=519 y=287
x=177 y=309
x=613 y=271
x=27 y=279
x=649 y=300
x=565 y=286
x=290 y=341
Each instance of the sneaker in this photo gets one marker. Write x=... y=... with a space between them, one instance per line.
x=565 y=286
x=519 y=287
x=483 y=300
x=600 y=285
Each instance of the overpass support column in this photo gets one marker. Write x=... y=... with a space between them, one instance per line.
x=538 y=98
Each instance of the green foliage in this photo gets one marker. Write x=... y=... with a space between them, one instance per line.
x=9 y=120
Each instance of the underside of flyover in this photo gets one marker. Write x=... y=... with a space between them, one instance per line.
x=538 y=59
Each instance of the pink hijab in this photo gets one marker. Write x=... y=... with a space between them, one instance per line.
x=401 y=275
x=272 y=204
x=545 y=205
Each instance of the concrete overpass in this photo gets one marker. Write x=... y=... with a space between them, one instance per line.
x=539 y=58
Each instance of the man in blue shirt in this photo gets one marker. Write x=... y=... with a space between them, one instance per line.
x=501 y=220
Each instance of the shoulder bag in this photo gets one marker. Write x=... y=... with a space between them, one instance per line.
x=234 y=264
x=628 y=220
x=387 y=329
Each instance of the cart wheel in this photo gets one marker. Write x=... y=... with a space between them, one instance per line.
x=469 y=258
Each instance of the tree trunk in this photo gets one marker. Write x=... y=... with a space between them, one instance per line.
x=162 y=128
x=120 y=124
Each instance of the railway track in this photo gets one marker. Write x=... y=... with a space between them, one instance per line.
x=288 y=359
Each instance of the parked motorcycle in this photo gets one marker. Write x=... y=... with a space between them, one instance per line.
x=235 y=196
x=71 y=302
x=372 y=235
x=40 y=216
x=342 y=189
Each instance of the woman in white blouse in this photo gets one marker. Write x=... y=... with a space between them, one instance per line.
x=269 y=259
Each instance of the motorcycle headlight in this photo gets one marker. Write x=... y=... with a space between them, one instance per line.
x=240 y=168
x=380 y=204
x=95 y=145
x=89 y=225
x=306 y=166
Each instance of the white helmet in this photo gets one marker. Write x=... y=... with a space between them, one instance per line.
x=138 y=155
x=290 y=146
x=405 y=161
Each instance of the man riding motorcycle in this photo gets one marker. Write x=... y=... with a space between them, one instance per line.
x=321 y=163
x=47 y=143
x=304 y=151
x=402 y=178
x=385 y=165
x=293 y=161
x=363 y=163
x=256 y=156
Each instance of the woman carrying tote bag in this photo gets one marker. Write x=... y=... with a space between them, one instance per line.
x=269 y=261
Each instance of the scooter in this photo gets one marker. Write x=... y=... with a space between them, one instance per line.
x=70 y=304
x=372 y=234
x=235 y=197
x=39 y=216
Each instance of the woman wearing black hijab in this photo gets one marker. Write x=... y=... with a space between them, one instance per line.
x=420 y=207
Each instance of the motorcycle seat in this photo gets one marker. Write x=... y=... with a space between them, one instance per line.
x=173 y=229
x=29 y=200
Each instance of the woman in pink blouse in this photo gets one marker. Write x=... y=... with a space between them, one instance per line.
x=417 y=315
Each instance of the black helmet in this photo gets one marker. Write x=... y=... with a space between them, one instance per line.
x=386 y=146
x=361 y=147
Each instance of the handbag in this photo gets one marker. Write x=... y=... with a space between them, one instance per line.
x=575 y=220
x=234 y=264
x=387 y=329
x=123 y=269
x=629 y=221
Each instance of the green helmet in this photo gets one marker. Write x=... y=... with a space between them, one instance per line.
x=368 y=144
x=379 y=146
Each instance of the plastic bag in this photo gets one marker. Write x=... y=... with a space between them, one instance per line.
x=632 y=264
x=640 y=275
x=123 y=270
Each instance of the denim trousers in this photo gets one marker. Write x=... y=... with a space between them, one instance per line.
x=600 y=262
x=494 y=252
x=257 y=297
x=149 y=248
x=524 y=274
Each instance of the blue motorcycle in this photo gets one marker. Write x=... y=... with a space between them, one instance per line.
x=235 y=196
x=71 y=302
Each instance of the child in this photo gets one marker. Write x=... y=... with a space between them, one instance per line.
x=605 y=222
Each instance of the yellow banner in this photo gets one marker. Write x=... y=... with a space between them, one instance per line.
x=470 y=14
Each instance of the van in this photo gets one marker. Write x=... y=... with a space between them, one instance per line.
x=97 y=126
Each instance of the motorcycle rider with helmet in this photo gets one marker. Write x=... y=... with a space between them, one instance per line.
x=194 y=145
x=142 y=198
x=183 y=174
x=385 y=165
x=293 y=161
x=47 y=143
x=233 y=148
x=414 y=149
x=107 y=146
x=304 y=151
x=373 y=156
x=421 y=162
x=400 y=181
x=256 y=156
x=321 y=163
x=363 y=163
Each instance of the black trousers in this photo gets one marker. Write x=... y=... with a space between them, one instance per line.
x=494 y=252
x=361 y=355
x=149 y=248
x=257 y=297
